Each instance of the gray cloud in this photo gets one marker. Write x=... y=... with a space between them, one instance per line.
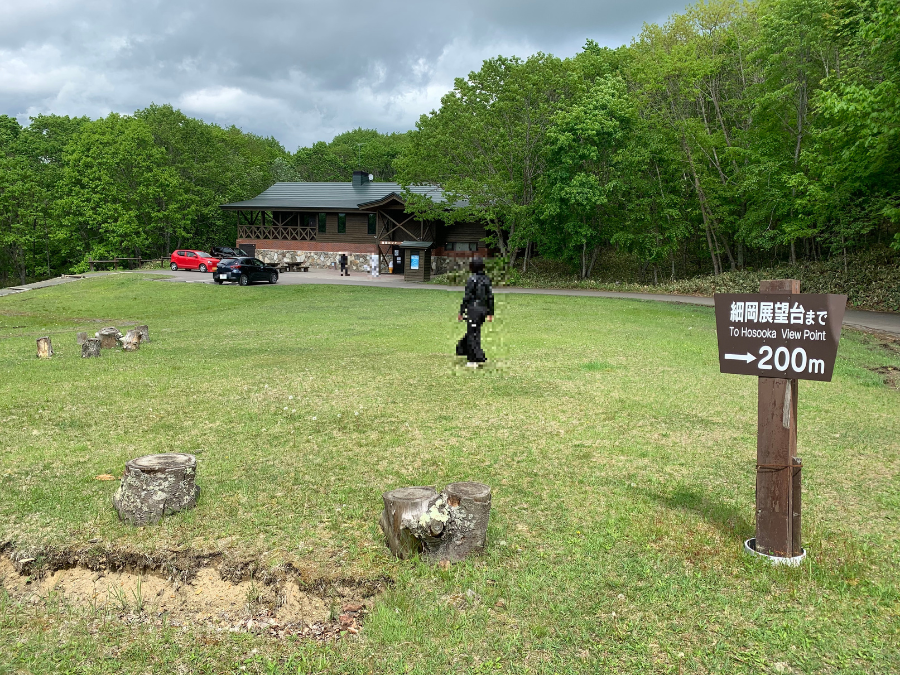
x=300 y=70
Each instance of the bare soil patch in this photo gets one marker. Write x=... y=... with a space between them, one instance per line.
x=230 y=595
x=890 y=374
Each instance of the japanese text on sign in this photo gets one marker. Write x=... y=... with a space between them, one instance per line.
x=779 y=335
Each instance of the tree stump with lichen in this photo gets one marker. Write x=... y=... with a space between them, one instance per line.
x=109 y=337
x=154 y=486
x=145 y=333
x=447 y=526
x=90 y=348
x=132 y=341
x=402 y=507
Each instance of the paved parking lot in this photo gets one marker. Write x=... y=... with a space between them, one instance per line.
x=878 y=321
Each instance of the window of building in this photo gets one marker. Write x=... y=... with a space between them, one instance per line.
x=372 y=223
x=322 y=218
x=310 y=220
x=342 y=223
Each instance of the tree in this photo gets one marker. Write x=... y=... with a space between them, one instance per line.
x=582 y=186
x=485 y=146
x=121 y=195
x=364 y=149
x=856 y=160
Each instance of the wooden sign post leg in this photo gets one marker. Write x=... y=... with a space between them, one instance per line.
x=777 y=470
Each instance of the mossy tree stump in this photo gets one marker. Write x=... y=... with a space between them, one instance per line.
x=447 y=526
x=154 y=486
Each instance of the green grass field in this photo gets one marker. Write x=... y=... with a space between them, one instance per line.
x=622 y=464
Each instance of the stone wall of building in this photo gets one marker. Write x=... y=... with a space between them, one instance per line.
x=358 y=262
x=441 y=264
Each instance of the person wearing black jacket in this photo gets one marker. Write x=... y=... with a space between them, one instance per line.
x=343 y=260
x=477 y=307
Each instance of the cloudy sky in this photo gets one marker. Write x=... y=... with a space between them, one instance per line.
x=300 y=70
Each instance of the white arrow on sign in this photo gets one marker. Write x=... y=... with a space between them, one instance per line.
x=747 y=358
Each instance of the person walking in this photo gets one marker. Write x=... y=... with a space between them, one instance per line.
x=344 y=262
x=477 y=307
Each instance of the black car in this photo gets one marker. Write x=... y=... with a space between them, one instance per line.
x=227 y=252
x=244 y=271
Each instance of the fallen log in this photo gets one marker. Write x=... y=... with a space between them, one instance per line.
x=154 y=486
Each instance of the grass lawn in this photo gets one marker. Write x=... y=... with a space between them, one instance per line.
x=622 y=464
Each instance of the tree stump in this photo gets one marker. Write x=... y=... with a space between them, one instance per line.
x=402 y=507
x=145 y=333
x=90 y=348
x=44 y=348
x=81 y=338
x=109 y=337
x=132 y=341
x=470 y=509
x=154 y=486
x=446 y=526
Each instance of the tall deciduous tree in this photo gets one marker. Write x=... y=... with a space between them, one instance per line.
x=486 y=143
x=583 y=184
x=121 y=194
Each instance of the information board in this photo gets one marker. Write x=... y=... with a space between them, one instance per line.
x=791 y=336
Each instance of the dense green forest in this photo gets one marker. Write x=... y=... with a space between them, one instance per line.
x=736 y=135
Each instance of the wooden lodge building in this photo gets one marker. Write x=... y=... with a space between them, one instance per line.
x=315 y=222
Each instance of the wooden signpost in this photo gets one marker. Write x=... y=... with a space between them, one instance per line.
x=781 y=336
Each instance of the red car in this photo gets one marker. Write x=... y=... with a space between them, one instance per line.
x=193 y=260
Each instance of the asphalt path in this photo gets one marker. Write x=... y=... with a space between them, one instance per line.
x=883 y=322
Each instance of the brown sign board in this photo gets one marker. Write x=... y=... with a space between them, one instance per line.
x=791 y=336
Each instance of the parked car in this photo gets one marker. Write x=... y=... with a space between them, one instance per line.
x=245 y=271
x=228 y=252
x=193 y=260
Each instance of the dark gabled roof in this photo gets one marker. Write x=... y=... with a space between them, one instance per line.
x=330 y=196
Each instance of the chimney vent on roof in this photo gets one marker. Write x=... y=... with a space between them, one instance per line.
x=360 y=178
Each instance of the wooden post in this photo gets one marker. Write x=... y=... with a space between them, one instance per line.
x=777 y=465
x=91 y=263
x=44 y=348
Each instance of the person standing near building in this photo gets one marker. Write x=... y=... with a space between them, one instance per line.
x=477 y=307
x=344 y=261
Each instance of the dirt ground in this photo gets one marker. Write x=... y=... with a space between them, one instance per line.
x=278 y=609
